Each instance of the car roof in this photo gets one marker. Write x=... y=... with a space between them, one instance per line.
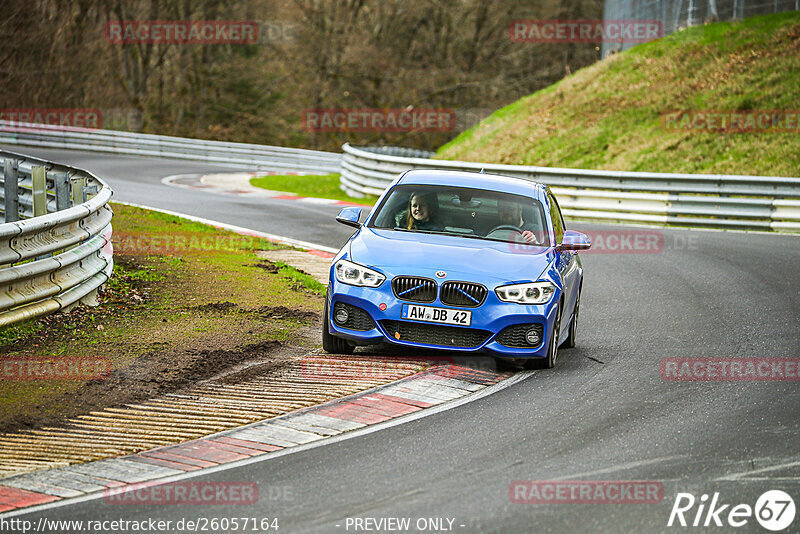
x=492 y=182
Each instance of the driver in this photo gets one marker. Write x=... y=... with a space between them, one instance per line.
x=510 y=214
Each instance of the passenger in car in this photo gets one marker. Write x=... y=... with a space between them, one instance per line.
x=421 y=213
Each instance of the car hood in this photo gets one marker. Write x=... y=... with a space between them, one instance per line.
x=461 y=258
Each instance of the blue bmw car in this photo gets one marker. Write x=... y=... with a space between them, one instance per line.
x=460 y=261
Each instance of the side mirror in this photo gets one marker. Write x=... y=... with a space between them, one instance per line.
x=573 y=240
x=350 y=217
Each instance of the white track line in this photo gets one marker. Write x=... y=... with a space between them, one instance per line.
x=238 y=229
x=746 y=475
x=622 y=467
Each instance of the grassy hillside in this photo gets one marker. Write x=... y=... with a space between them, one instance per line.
x=609 y=115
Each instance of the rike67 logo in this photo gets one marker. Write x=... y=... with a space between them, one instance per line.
x=774 y=510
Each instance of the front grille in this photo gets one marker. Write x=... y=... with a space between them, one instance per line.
x=514 y=335
x=435 y=334
x=357 y=319
x=462 y=294
x=414 y=288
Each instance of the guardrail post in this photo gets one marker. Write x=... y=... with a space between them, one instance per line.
x=61 y=180
x=11 y=189
x=89 y=191
x=39 y=190
x=91 y=298
x=39 y=194
x=78 y=196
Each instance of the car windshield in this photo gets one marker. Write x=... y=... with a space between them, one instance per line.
x=463 y=212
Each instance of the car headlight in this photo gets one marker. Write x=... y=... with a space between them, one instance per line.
x=354 y=274
x=529 y=293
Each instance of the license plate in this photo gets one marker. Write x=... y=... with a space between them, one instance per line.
x=436 y=315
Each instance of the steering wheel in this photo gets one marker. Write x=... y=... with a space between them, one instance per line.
x=510 y=227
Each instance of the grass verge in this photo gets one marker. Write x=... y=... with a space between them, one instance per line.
x=609 y=115
x=318 y=186
x=187 y=301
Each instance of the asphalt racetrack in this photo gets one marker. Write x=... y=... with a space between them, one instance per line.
x=604 y=413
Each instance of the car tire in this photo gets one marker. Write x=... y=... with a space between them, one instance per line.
x=552 y=349
x=332 y=344
x=573 y=325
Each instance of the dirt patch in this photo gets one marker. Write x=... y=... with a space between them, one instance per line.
x=282 y=312
x=267 y=266
x=209 y=363
x=157 y=373
x=261 y=369
x=215 y=306
x=301 y=271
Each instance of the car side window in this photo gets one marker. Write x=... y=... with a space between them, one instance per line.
x=555 y=215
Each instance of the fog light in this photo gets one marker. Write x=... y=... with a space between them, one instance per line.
x=341 y=315
x=532 y=336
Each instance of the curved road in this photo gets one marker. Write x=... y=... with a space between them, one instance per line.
x=603 y=413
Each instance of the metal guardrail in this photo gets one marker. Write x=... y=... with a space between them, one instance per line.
x=236 y=155
x=55 y=243
x=677 y=14
x=701 y=200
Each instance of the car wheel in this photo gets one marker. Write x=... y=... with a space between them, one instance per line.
x=332 y=344
x=573 y=326
x=552 y=349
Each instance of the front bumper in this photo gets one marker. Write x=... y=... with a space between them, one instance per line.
x=483 y=335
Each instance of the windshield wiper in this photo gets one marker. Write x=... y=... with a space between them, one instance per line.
x=415 y=231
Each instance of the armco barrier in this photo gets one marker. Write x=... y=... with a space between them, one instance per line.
x=697 y=200
x=235 y=155
x=55 y=246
